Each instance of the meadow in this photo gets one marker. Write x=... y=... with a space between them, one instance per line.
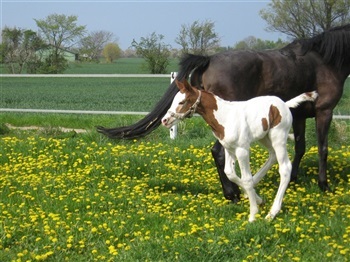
x=86 y=198
x=83 y=197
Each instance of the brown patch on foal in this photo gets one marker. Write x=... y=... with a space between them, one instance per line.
x=265 y=124
x=208 y=107
x=274 y=118
x=220 y=131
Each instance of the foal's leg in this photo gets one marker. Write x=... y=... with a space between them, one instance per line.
x=230 y=190
x=229 y=169
x=284 y=169
x=247 y=182
x=268 y=164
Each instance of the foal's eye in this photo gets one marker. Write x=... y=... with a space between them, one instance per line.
x=182 y=102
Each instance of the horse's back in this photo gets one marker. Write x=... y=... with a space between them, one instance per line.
x=241 y=75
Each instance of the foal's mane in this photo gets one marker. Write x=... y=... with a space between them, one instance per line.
x=333 y=45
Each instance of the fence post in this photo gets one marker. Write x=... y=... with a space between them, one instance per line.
x=173 y=129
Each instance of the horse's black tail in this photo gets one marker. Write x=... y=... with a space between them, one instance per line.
x=152 y=120
x=146 y=125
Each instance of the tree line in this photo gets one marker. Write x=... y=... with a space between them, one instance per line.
x=24 y=50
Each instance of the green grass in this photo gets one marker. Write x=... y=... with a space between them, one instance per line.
x=86 y=198
x=343 y=107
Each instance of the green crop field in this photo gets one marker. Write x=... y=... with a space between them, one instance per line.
x=113 y=94
x=120 y=66
x=83 y=197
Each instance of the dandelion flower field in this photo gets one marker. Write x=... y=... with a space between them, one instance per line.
x=73 y=199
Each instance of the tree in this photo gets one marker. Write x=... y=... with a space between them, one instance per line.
x=111 y=52
x=154 y=51
x=198 y=38
x=305 y=18
x=60 y=32
x=92 y=45
x=18 y=49
x=254 y=43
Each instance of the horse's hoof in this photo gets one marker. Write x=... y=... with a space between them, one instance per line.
x=234 y=198
x=293 y=179
x=324 y=186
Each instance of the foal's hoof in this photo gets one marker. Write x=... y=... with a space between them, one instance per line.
x=262 y=203
x=269 y=217
x=251 y=220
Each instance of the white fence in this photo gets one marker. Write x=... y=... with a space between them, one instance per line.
x=173 y=130
x=84 y=75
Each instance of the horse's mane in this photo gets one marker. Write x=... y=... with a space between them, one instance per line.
x=333 y=45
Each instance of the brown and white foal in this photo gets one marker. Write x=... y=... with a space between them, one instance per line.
x=236 y=125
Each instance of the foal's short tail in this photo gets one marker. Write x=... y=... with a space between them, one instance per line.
x=296 y=101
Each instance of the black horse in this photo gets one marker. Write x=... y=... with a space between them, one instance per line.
x=320 y=63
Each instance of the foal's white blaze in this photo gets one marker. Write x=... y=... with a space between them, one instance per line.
x=168 y=120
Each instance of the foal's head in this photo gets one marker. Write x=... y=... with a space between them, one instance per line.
x=184 y=104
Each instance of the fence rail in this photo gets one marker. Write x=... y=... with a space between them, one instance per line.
x=172 y=76
x=55 y=111
x=89 y=112
x=84 y=75
x=87 y=75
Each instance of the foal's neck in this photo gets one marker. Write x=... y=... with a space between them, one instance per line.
x=208 y=104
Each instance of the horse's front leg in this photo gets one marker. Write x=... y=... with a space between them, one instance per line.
x=230 y=190
x=246 y=181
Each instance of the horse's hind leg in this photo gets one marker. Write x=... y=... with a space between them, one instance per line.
x=329 y=96
x=231 y=190
x=323 y=121
x=299 y=147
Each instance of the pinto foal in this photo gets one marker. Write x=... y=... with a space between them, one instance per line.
x=236 y=125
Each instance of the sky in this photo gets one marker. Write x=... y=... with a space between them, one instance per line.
x=128 y=20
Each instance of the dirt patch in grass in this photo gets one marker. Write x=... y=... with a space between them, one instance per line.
x=60 y=129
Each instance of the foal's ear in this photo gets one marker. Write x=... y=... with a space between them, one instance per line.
x=183 y=85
